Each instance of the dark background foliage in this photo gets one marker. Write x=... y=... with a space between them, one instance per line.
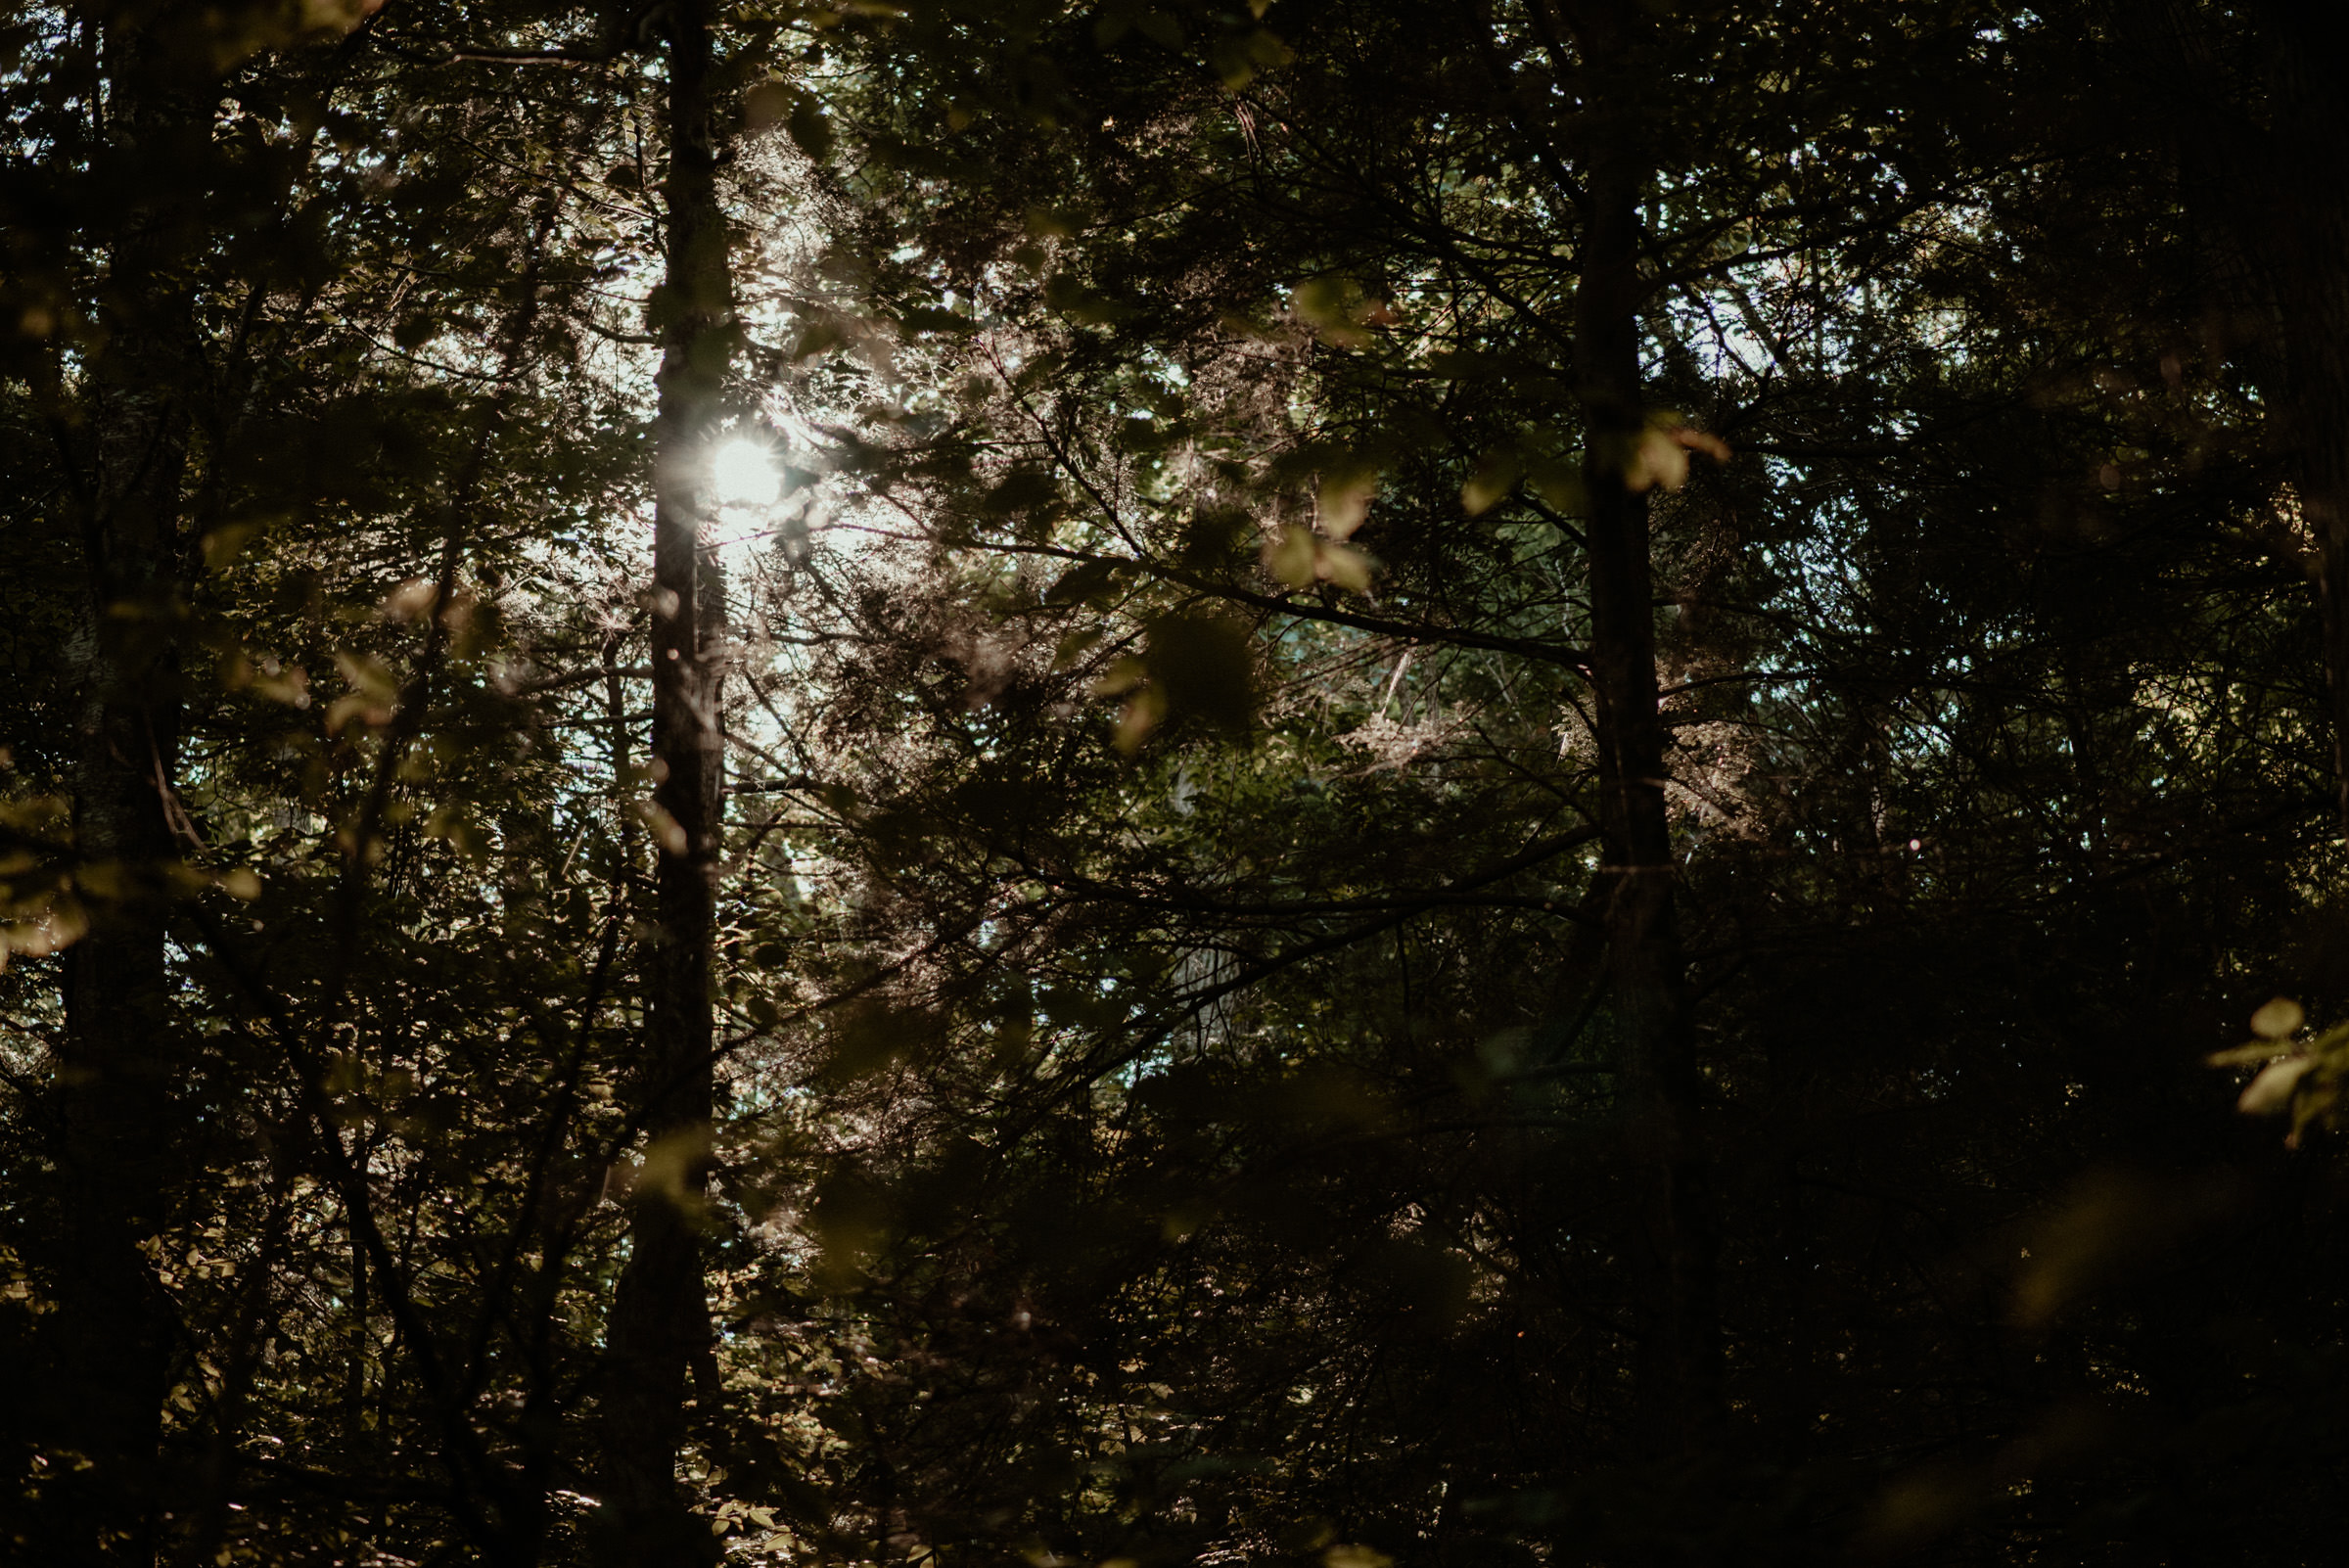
x=1195 y=1066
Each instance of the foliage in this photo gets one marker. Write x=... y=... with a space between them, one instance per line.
x=1178 y=1093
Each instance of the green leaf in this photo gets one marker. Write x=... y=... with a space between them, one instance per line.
x=2280 y=1019
x=2271 y=1090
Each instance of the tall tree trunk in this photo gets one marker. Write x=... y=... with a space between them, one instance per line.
x=659 y=1319
x=2311 y=250
x=2260 y=137
x=108 y=1346
x=1679 y=1370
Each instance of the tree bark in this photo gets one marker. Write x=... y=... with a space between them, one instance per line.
x=660 y=1318
x=2311 y=250
x=1679 y=1356
x=108 y=1346
x=2261 y=139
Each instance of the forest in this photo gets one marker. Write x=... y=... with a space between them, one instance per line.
x=1130 y=783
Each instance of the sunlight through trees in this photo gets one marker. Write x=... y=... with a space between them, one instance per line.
x=1329 y=783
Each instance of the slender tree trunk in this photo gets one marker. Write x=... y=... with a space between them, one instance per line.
x=108 y=1346
x=1679 y=1391
x=659 y=1319
x=2306 y=44
x=2262 y=138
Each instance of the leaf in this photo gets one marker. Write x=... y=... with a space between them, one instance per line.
x=1120 y=677
x=412 y=600
x=356 y=705
x=1658 y=460
x=1661 y=455
x=2280 y=1019
x=1290 y=557
x=368 y=676
x=1349 y=1554
x=2271 y=1090
x=1333 y=306
x=1343 y=565
x=37 y=815
x=1137 y=718
x=2259 y=1050
x=62 y=926
x=666 y=830
x=1343 y=500
x=1697 y=440
x=674 y=1165
x=2111 y=1226
x=1239 y=57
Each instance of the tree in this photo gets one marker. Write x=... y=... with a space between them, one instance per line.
x=661 y=1322
x=1486 y=790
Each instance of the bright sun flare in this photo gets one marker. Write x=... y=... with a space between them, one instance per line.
x=744 y=474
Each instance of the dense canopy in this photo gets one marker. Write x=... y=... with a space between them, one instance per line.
x=1341 y=783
